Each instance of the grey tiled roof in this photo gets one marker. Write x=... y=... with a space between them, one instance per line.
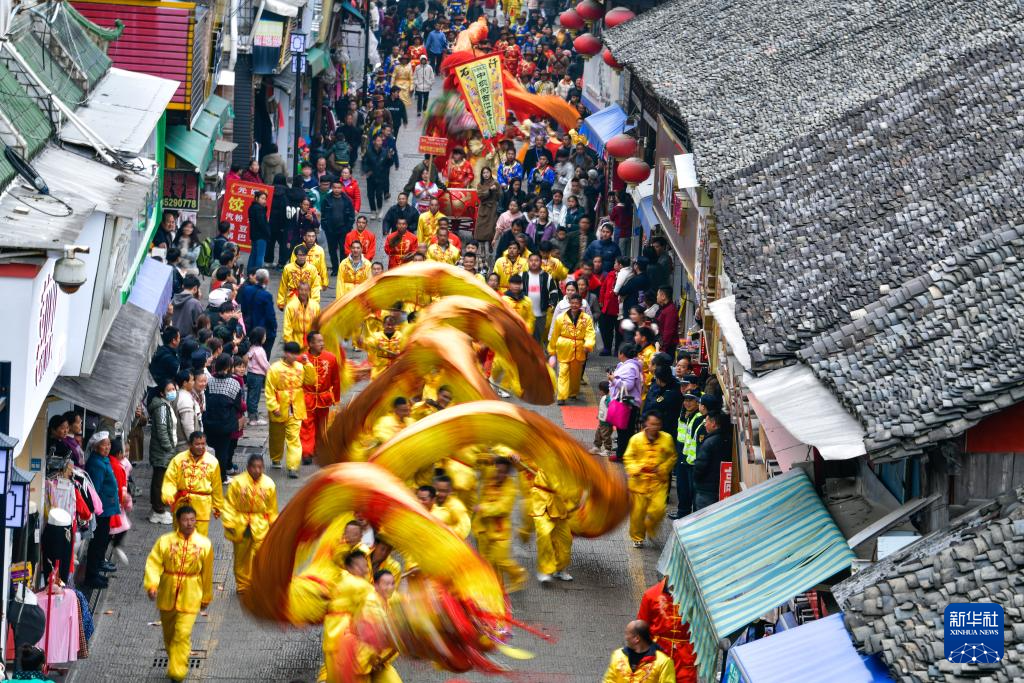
x=885 y=252
x=896 y=607
x=748 y=77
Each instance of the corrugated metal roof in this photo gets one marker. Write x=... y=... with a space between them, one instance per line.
x=123 y=110
x=34 y=221
x=110 y=190
x=733 y=561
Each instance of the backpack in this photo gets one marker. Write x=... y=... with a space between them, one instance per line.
x=342 y=151
x=205 y=259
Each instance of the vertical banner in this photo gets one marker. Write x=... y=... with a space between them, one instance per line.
x=238 y=198
x=724 y=480
x=484 y=93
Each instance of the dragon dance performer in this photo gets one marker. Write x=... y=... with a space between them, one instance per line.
x=492 y=525
x=449 y=509
x=193 y=479
x=383 y=347
x=572 y=339
x=668 y=630
x=550 y=513
x=179 y=577
x=298 y=270
x=640 y=660
x=315 y=255
x=250 y=508
x=287 y=406
x=299 y=315
x=320 y=394
x=520 y=303
x=649 y=458
x=354 y=271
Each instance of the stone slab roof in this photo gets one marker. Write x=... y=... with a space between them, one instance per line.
x=885 y=252
x=746 y=78
x=895 y=608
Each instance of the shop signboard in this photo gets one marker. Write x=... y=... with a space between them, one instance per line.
x=433 y=145
x=181 y=193
x=724 y=480
x=238 y=197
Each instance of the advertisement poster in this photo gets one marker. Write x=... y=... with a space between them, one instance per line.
x=484 y=93
x=235 y=209
x=725 y=480
x=460 y=205
x=181 y=193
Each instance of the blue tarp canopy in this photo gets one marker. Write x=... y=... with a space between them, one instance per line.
x=817 y=650
x=747 y=554
x=648 y=219
x=602 y=126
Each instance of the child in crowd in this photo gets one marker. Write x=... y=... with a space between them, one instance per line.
x=239 y=368
x=256 y=374
x=603 y=437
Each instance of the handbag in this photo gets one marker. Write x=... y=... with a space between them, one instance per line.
x=619 y=412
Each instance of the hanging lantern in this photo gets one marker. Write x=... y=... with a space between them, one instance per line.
x=634 y=171
x=621 y=146
x=571 y=20
x=610 y=61
x=591 y=10
x=619 y=15
x=587 y=45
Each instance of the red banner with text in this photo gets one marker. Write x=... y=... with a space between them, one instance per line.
x=238 y=197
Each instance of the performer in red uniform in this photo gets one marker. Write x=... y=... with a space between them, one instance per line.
x=323 y=393
x=459 y=171
x=668 y=630
x=400 y=245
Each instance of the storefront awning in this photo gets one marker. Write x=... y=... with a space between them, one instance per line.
x=123 y=110
x=733 y=561
x=648 y=218
x=152 y=289
x=805 y=653
x=286 y=8
x=350 y=8
x=119 y=377
x=191 y=146
x=809 y=411
x=51 y=223
x=319 y=59
x=602 y=126
x=724 y=312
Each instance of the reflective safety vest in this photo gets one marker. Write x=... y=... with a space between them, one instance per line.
x=688 y=436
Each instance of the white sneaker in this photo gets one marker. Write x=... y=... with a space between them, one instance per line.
x=504 y=394
x=156 y=518
x=563 y=576
x=121 y=557
x=544 y=578
x=167 y=518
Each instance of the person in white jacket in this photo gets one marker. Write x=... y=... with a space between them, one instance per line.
x=190 y=416
x=422 y=80
x=563 y=306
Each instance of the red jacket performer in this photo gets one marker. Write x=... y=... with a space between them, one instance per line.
x=668 y=630
x=323 y=393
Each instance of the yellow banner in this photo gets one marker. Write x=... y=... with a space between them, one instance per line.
x=482 y=89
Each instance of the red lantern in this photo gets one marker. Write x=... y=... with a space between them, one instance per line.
x=591 y=10
x=587 y=45
x=621 y=146
x=634 y=171
x=610 y=61
x=571 y=20
x=619 y=15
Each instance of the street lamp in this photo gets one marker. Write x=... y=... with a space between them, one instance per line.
x=17 y=500
x=7 y=445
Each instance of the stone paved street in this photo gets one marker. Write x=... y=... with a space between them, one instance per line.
x=586 y=616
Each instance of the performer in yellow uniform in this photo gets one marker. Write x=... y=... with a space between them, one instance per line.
x=443 y=250
x=572 y=339
x=382 y=348
x=645 y=338
x=649 y=458
x=450 y=509
x=651 y=664
x=492 y=525
x=299 y=315
x=427 y=224
x=193 y=479
x=354 y=269
x=522 y=305
x=299 y=270
x=314 y=255
x=552 y=265
x=179 y=577
x=550 y=514
x=512 y=263
x=250 y=508
x=286 y=406
x=353 y=598
x=385 y=428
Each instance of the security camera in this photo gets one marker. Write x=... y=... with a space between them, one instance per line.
x=70 y=271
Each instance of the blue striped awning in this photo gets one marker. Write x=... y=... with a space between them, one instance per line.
x=732 y=562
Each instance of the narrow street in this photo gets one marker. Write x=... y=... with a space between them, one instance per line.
x=585 y=617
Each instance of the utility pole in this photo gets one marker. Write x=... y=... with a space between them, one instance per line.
x=366 y=49
x=298 y=49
